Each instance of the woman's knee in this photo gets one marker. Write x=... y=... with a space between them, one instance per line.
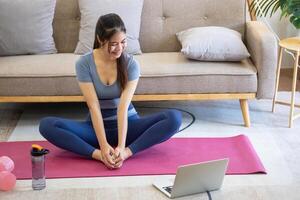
x=46 y=125
x=174 y=118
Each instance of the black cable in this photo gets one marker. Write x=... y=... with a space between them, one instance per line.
x=193 y=117
x=193 y=120
x=209 y=195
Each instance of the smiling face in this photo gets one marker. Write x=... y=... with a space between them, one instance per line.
x=116 y=45
x=110 y=36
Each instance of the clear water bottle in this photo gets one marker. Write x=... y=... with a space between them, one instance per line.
x=38 y=167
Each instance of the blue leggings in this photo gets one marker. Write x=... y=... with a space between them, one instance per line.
x=79 y=136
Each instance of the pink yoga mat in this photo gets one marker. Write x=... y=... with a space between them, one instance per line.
x=160 y=159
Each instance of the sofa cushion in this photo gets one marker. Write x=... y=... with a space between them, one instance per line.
x=167 y=73
x=52 y=65
x=175 y=64
x=212 y=43
x=26 y=27
x=162 y=19
x=66 y=25
x=173 y=73
x=129 y=10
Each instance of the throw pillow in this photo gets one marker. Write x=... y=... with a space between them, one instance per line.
x=129 y=10
x=212 y=43
x=26 y=27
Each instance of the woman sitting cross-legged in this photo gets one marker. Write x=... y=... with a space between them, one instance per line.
x=108 y=77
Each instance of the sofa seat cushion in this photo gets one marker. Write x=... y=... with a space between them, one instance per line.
x=52 y=65
x=52 y=74
x=161 y=73
x=172 y=73
x=176 y=64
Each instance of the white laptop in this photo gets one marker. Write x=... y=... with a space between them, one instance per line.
x=194 y=178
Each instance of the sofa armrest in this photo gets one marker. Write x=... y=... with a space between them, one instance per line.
x=263 y=48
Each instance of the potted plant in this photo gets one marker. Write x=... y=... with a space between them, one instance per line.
x=288 y=8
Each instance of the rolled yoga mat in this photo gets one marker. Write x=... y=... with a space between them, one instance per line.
x=161 y=159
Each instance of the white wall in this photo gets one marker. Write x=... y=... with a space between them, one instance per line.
x=283 y=28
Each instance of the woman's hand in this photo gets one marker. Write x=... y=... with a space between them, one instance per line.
x=121 y=154
x=108 y=156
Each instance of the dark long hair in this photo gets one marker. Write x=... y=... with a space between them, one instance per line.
x=107 y=25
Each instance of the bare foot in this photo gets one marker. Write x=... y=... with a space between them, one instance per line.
x=128 y=153
x=97 y=155
x=122 y=157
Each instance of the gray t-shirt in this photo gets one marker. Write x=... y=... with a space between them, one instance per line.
x=108 y=95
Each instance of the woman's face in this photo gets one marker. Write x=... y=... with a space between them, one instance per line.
x=116 y=45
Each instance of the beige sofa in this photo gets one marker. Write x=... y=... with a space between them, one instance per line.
x=165 y=73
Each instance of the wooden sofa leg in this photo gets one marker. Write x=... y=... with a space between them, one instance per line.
x=245 y=111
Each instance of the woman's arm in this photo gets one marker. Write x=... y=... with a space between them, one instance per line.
x=125 y=100
x=92 y=101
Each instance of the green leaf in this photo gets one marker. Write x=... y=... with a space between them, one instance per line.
x=296 y=13
x=295 y=21
x=266 y=6
x=288 y=8
x=275 y=8
x=269 y=6
x=283 y=12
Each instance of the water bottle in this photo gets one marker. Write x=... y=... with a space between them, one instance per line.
x=38 y=167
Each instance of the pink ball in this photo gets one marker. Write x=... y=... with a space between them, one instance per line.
x=7 y=181
x=6 y=164
x=2 y=167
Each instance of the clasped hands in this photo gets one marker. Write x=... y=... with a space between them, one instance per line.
x=113 y=158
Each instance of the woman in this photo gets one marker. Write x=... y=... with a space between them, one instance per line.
x=108 y=78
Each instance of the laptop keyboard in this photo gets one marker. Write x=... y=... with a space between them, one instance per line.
x=168 y=189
